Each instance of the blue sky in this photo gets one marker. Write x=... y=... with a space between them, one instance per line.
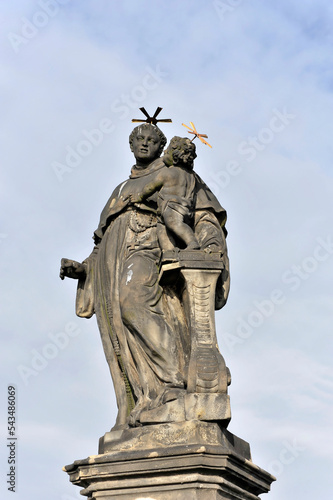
x=257 y=78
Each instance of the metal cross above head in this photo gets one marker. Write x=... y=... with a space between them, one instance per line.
x=152 y=119
x=193 y=130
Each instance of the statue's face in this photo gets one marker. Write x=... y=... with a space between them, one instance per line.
x=188 y=156
x=146 y=145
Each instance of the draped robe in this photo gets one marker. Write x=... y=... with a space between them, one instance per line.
x=143 y=329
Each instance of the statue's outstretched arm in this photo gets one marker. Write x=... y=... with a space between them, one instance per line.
x=72 y=269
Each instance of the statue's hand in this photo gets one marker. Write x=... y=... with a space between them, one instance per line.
x=135 y=198
x=72 y=269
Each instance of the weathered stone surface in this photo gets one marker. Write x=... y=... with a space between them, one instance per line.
x=193 y=460
x=172 y=411
x=201 y=406
x=191 y=406
x=165 y=439
x=158 y=271
x=207 y=372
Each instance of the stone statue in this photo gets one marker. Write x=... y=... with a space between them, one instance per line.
x=158 y=269
x=176 y=191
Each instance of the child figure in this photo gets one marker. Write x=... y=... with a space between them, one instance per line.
x=175 y=184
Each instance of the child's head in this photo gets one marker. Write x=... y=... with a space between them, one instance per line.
x=180 y=152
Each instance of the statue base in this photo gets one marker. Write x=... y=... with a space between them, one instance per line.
x=191 y=406
x=190 y=460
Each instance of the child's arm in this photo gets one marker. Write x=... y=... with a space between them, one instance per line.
x=148 y=190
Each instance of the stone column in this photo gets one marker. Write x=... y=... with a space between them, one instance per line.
x=207 y=371
x=208 y=377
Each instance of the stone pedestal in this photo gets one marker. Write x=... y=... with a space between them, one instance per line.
x=175 y=461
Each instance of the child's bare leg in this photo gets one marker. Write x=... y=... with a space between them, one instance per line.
x=175 y=221
x=164 y=239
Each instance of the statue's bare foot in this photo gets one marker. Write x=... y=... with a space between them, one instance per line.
x=194 y=245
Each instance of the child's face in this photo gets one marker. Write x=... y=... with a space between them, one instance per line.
x=180 y=152
x=188 y=156
x=187 y=153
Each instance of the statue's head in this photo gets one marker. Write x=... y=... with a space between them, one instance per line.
x=147 y=142
x=181 y=152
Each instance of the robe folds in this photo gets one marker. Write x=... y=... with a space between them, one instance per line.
x=143 y=329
